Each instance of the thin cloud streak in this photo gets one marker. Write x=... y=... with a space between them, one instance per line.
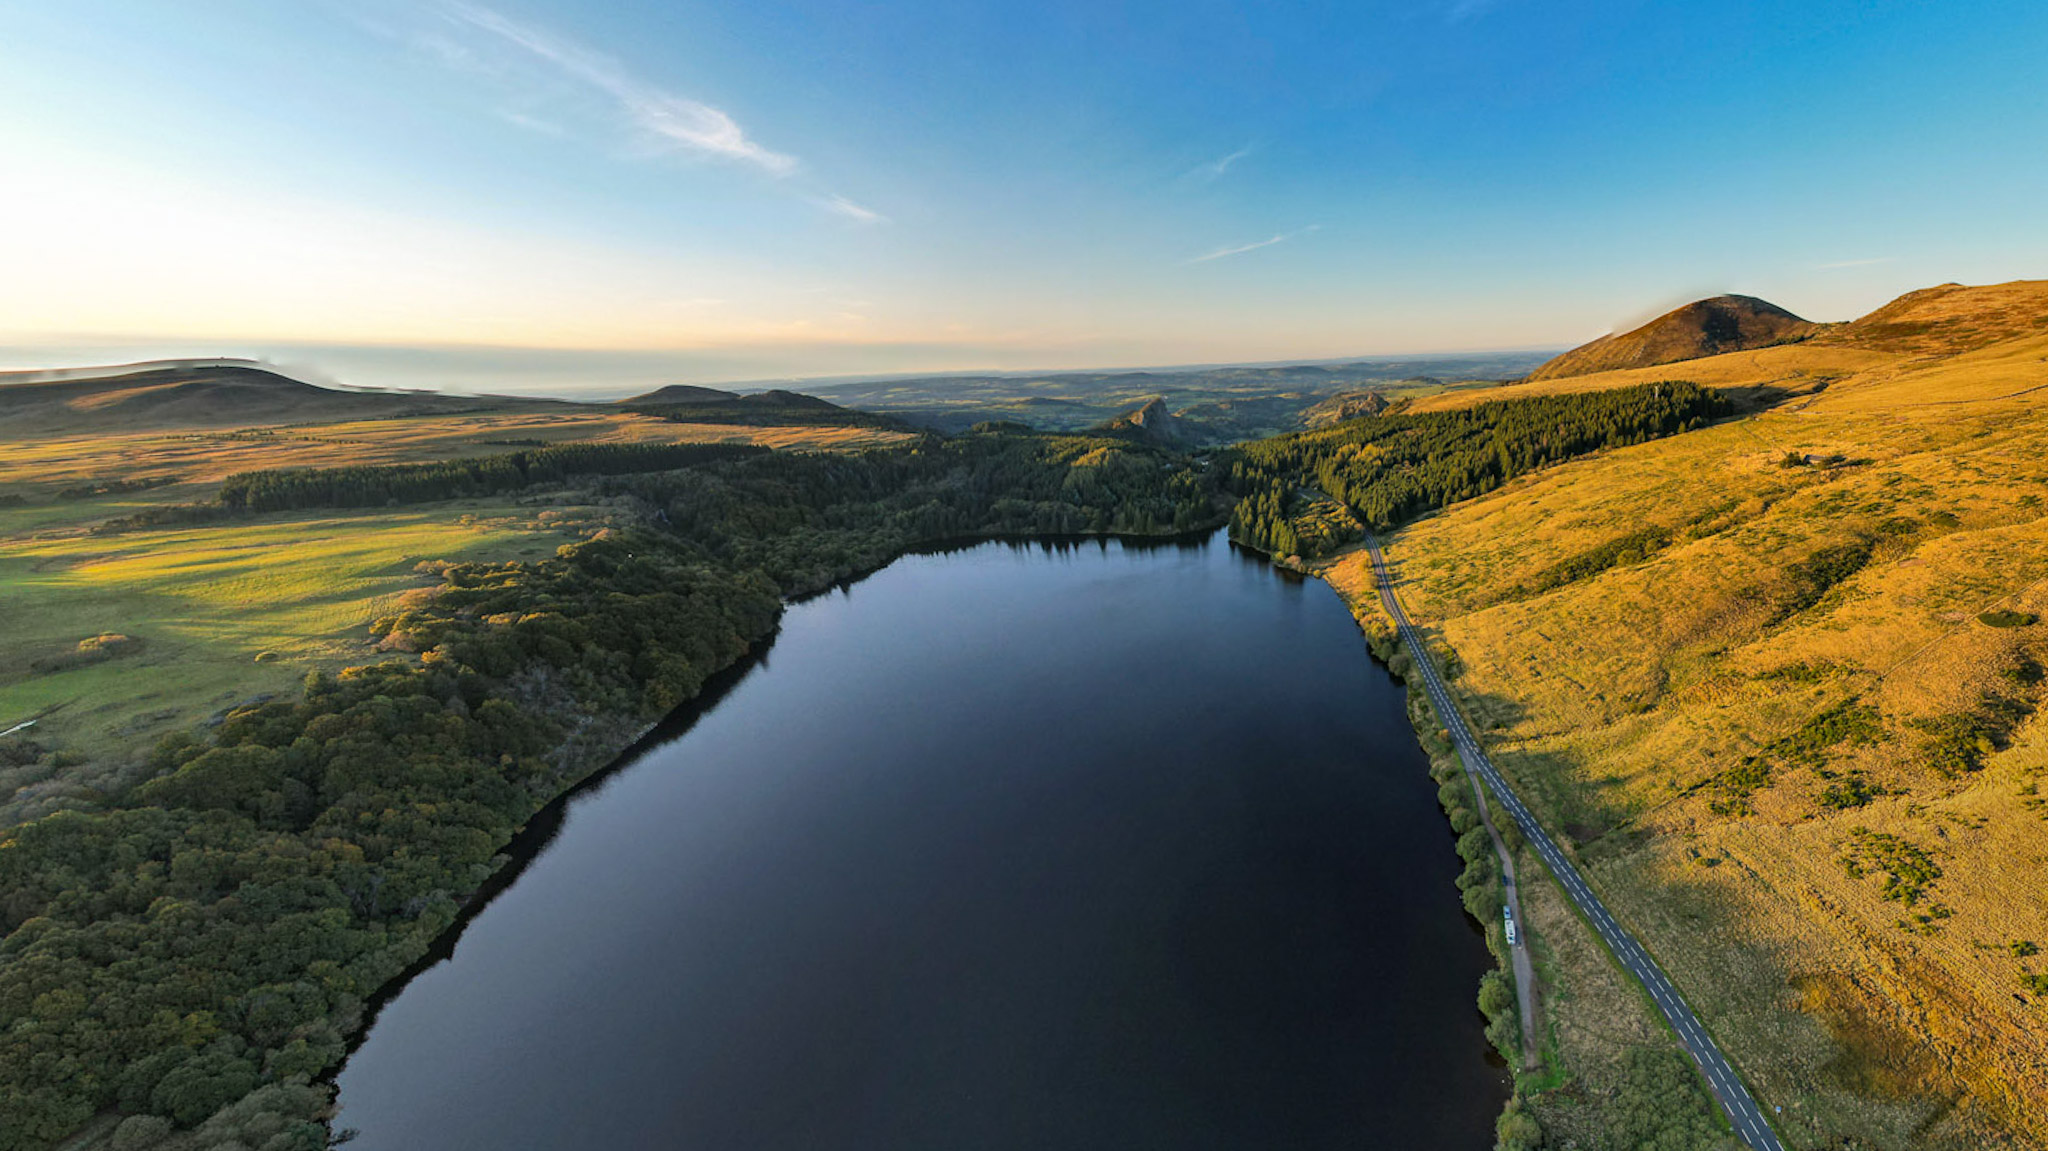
x=675 y=120
x=532 y=123
x=1856 y=263
x=840 y=205
x=1240 y=249
x=1214 y=169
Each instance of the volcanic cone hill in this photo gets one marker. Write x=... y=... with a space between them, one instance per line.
x=1702 y=328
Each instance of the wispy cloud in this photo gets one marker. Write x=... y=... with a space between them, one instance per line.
x=1463 y=10
x=532 y=123
x=1214 y=169
x=672 y=120
x=1856 y=263
x=1241 y=249
x=842 y=206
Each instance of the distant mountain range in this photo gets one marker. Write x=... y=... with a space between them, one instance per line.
x=1206 y=405
x=1193 y=406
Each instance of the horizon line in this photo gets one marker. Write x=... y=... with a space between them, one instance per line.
x=46 y=373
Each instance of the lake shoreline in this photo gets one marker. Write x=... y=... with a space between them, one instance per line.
x=541 y=830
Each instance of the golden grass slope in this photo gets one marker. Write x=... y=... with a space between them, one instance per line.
x=1624 y=704
x=1950 y=318
x=202 y=458
x=223 y=613
x=1704 y=327
x=1919 y=331
x=1794 y=367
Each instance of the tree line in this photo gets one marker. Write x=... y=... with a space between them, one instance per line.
x=372 y=486
x=1385 y=470
x=197 y=948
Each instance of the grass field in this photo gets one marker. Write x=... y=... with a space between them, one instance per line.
x=219 y=614
x=206 y=603
x=195 y=459
x=1747 y=671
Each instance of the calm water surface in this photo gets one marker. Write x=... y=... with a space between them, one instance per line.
x=1012 y=847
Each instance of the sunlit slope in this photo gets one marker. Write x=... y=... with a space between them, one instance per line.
x=1776 y=682
x=1949 y=318
x=1702 y=328
x=1994 y=329
x=217 y=614
x=1796 y=367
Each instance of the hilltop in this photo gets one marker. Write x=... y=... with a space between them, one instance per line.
x=1950 y=318
x=224 y=393
x=1151 y=421
x=683 y=403
x=211 y=394
x=1702 y=328
x=681 y=394
x=1964 y=335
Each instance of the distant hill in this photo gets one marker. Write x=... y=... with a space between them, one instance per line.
x=226 y=393
x=206 y=394
x=1345 y=406
x=680 y=394
x=684 y=403
x=1950 y=318
x=1151 y=422
x=1215 y=404
x=1702 y=328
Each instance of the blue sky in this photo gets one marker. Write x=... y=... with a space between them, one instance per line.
x=414 y=192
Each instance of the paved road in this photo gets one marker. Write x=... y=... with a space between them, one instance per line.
x=1511 y=894
x=1734 y=1098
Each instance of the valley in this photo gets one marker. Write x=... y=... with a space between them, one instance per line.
x=1750 y=634
x=1442 y=576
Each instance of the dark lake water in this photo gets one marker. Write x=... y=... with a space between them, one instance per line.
x=1080 y=847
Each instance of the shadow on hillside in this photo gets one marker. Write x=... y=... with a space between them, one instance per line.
x=1750 y=399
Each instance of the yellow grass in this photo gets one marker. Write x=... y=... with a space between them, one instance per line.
x=223 y=612
x=1611 y=700
x=202 y=458
x=1793 y=366
x=295 y=590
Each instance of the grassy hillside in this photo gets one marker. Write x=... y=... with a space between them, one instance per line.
x=1775 y=680
x=211 y=393
x=1919 y=330
x=1702 y=328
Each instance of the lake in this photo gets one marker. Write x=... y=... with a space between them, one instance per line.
x=1051 y=846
